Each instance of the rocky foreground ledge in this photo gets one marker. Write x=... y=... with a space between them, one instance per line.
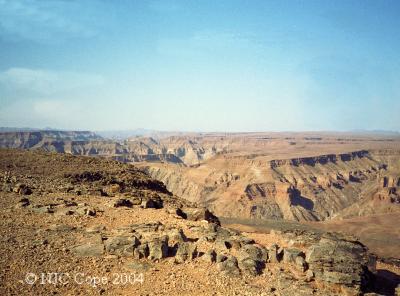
x=90 y=219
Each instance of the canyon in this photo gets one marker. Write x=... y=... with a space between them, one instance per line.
x=290 y=176
x=301 y=189
x=307 y=177
x=75 y=225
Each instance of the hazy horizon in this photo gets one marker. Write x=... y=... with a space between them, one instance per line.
x=145 y=131
x=226 y=66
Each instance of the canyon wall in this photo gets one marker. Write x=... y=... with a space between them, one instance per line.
x=263 y=176
x=312 y=189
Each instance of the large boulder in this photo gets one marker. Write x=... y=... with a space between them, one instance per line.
x=274 y=254
x=229 y=266
x=154 y=202
x=224 y=233
x=252 y=259
x=158 y=248
x=251 y=251
x=208 y=232
x=185 y=251
x=210 y=256
x=223 y=245
x=290 y=255
x=141 y=251
x=231 y=241
x=176 y=236
x=339 y=261
x=250 y=266
x=198 y=214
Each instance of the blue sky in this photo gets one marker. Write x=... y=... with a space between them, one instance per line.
x=200 y=65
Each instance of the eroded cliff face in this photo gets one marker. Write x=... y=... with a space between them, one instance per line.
x=36 y=139
x=311 y=188
x=173 y=150
x=175 y=180
x=320 y=159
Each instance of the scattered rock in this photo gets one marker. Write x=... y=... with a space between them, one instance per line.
x=210 y=256
x=243 y=240
x=147 y=227
x=43 y=209
x=251 y=259
x=97 y=192
x=22 y=203
x=251 y=251
x=68 y=203
x=176 y=211
x=331 y=260
x=223 y=233
x=158 y=248
x=95 y=229
x=62 y=227
x=86 y=211
x=139 y=266
x=250 y=266
x=290 y=255
x=199 y=214
x=220 y=258
x=176 y=236
x=309 y=275
x=121 y=202
x=89 y=250
x=112 y=189
x=136 y=201
x=7 y=187
x=223 y=245
x=141 y=251
x=152 y=202
x=274 y=254
x=301 y=263
x=229 y=266
x=64 y=212
x=22 y=189
x=185 y=251
x=121 y=245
